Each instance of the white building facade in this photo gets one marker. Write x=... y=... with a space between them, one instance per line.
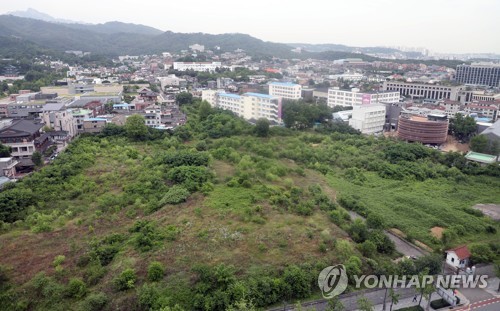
x=368 y=119
x=197 y=66
x=285 y=90
x=354 y=97
x=250 y=106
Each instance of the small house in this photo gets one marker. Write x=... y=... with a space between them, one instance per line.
x=458 y=257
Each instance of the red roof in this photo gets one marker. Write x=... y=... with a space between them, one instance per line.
x=461 y=251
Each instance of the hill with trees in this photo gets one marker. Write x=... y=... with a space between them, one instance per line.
x=221 y=213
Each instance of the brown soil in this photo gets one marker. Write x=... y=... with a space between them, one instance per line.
x=437 y=232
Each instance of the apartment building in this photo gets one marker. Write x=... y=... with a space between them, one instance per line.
x=369 y=119
x=485 y=74
x=285 y=90
x=451 y=107
x=197 y=66
x=338 y=97
x=250 y=106
x=429 y=91
x=483 y=110
x=58 y=118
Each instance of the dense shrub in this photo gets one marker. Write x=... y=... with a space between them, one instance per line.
x=94 y=302
x=126 y=280
x=186 y=158
x=175 y=195
x=155 y=271
x=191 y=177
x=76 y=288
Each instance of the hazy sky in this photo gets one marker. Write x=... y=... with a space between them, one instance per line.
x=440 y=25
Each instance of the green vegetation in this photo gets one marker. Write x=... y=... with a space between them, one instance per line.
x=213 y=216
x=462 y=127
x=480 y=143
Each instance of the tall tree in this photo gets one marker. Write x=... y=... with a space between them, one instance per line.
x=37 y=158
x=463 y=127
x=184 y=98
x=394 y=298
x=262 y=127
x=4 y=151
x=135 y=127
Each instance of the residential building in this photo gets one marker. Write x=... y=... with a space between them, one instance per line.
x=338 y=97
x=172 y=81
x=8 y=167
x=24 y=137
x=484 y=74
x=429 y=91
x=58 y=118
x=458 y=257
x=285 y=90
x=197 y=66
x=251 y=106
x=369 y=119
x=197 y=48
x=209 y=96
x=93 y=125
x=432 y=129
x=79 y=115
x=25 y=109
x=152 y=116
x=482 y=110
x=451 y=107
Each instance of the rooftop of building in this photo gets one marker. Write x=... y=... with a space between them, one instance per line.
x=494 y=129
x=266 y=96
x=53 y=107
x=95 y=119
x=81 y=112
x=422 y=118
x=481 y=157
x=21 y=128
x=284 y=83
x=236 y=96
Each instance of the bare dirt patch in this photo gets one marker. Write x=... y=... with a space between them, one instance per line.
x=437 y=232
x=453 y=145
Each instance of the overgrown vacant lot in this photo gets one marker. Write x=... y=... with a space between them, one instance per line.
x=212 y=215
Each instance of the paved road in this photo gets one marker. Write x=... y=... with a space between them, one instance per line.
x=402 y=246
x=349 y=300
x=492 y=304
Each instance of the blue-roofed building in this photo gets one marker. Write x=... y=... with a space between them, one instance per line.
x=285 y=90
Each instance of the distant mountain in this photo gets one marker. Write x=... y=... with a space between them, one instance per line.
x=34 y=14
x=118 y=27
x=99 y=39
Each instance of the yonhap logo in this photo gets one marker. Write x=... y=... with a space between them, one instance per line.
x=332 y=281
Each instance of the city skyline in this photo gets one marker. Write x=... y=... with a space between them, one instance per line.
x=443 y=26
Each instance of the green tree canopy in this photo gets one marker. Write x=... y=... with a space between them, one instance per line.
x=262 y=127
x=463 y=127
x=135 y=127
x=184 y=98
